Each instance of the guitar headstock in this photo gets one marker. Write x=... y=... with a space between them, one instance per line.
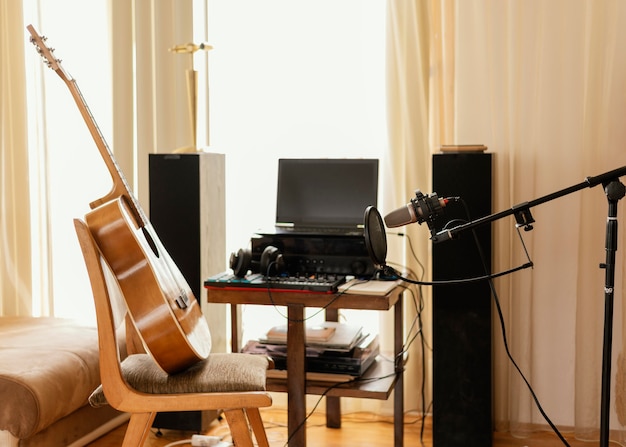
x=47 y=53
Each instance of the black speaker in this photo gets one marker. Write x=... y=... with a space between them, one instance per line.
x=187 y=213
x=462 y=363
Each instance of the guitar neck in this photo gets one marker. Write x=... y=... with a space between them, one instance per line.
x=120 y=185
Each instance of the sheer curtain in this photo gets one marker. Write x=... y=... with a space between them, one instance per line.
x=51 y=168
x=408 y=168
x=15 y=270
x=543 y=85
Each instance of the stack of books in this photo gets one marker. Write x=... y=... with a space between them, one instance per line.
x=334 y=351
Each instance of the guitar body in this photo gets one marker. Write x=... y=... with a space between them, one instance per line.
x=160 y=302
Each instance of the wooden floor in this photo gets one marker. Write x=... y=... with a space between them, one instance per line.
x=359 y=429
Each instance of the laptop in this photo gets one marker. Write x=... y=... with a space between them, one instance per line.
x=325 y=195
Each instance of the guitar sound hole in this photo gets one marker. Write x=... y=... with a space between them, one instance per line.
x=150 y=241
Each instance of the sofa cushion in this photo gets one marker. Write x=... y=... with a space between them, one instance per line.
x=48 y=368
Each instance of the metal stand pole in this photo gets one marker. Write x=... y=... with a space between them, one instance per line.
x=614 y=192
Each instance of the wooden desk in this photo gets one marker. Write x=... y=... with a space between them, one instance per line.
x=296 y=385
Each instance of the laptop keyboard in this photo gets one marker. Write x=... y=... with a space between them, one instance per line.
x=320 y=283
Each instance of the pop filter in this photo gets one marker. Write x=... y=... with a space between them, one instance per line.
x=375 y=237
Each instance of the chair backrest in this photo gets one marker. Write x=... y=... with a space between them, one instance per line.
x=113 y=383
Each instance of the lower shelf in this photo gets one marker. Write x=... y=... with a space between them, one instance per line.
x=377 y=383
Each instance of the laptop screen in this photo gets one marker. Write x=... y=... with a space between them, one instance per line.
x=325 y=192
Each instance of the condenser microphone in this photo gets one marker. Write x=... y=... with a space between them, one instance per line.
x=420 y=209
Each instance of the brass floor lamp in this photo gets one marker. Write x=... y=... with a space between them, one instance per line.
x=192 y=90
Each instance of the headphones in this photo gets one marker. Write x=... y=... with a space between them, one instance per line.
x=271 y=259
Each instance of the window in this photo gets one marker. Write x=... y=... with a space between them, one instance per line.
x=67 y=171
x=290 y=79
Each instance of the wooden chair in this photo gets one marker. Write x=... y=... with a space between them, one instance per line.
x=233 y=383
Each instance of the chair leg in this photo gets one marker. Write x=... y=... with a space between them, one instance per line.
x=238 y=425
x=138 y=429
x=254 y=416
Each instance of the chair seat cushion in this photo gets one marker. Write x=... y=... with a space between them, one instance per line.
x=218 y=373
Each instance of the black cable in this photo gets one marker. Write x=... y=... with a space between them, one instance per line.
x=420 y=332
x=504 y=335
x=398 y=362
x=391 y=272
x=489 y=277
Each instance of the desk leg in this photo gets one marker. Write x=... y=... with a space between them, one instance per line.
x=234 y=328
x=333 y=404
x=296 y=378
x=398 y=391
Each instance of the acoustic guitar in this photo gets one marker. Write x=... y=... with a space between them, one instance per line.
x=161 y=304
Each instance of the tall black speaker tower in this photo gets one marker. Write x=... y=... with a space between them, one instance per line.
x=187 y=212
x=462 y=364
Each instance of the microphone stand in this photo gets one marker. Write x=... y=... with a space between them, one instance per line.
x=614 y=191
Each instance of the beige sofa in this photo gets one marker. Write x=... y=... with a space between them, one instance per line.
x=48 y=369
